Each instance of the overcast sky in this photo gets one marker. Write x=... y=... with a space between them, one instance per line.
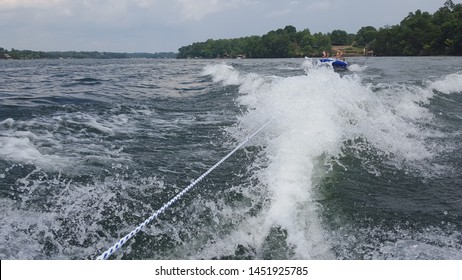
x=166 y=25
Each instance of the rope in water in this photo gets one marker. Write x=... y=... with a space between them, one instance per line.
x=122 y=241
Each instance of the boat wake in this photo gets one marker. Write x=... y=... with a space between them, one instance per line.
x=347 y=168
x=321 y=118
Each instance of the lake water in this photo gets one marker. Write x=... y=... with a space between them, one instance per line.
x=365 y=164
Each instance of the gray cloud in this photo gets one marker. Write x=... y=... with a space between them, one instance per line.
x=166 y=25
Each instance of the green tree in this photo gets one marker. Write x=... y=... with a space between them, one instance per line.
x=339 y=37
x=387 y=41
x=306 y=42
x=421 y=33
x=418 y=34
x=255 y=48
x=365 y=35
x=448 y=19
x=321 y=42
x=278 y=44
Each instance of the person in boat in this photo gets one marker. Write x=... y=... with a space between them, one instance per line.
x=339 y=55
x=325 y=54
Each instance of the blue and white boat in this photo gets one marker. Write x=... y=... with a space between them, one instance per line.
x=336 y=64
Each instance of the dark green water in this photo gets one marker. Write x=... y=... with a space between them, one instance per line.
x=358 y=165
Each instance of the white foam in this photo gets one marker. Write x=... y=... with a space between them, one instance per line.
x=357 y=68
x=222 y=73
x=20 y=149
x=414 y=250
x=451 y=83
x=315 y=114
x=8 y=122
x=59 y=218
x=94 y=124
x=63 y=140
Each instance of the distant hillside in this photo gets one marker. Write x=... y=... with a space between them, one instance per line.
x=286 y=42
x=420 y=33
x=28 y=54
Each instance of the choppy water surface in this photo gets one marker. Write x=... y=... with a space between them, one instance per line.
x=358 y=165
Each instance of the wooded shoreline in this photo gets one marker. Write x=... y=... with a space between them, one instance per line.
x=418 y=34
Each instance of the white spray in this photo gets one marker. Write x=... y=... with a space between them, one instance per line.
x=315 y=114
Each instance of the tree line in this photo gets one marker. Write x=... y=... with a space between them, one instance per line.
x=420 y=33
x=286 y=42
x=28 y=54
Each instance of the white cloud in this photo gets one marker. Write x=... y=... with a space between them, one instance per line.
x=14 y=4
x=278 y=13
x=114 y=11
x=92 y=7
x=143 y=3
x=102 y=10
x=198 y=9
x=320 y=6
